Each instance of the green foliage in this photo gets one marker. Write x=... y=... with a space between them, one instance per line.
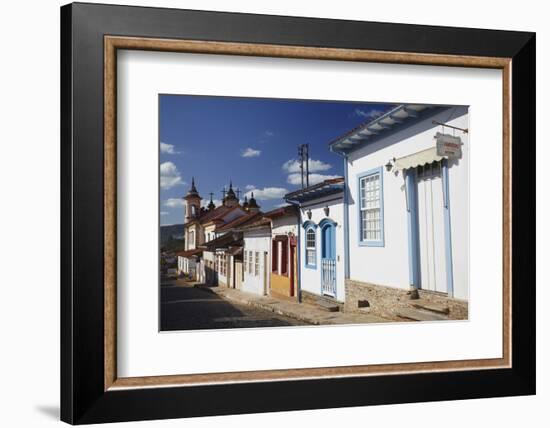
x=174 y=245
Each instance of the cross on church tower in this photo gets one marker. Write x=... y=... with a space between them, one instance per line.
x=238 y=192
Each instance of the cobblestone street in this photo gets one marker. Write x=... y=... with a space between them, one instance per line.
x=184 y=307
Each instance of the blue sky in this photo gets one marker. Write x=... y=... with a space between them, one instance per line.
x=252 y=141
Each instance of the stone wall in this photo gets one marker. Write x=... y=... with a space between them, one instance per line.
x=386 y=301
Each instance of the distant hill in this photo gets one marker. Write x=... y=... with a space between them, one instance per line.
x=171 y=232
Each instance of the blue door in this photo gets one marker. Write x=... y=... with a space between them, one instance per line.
x=328 y=259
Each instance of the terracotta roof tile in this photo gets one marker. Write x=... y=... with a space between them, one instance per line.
x=189 y=253
x=238 y=221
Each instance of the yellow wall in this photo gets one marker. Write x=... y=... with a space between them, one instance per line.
x=280 y=284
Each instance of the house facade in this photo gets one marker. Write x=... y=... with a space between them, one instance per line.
x=201 y=226
x=284 y=252
x=256 y=256
x=321 y=240
x=406 y=208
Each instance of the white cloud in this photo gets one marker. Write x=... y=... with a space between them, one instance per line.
x=267 y=193
x=168 y=149
x=293 y=166
x=164 y=213
x=169 y=175
x=174 y=203
x=250 y=153
x=249 y=187
x=269 y=133
x=370 y=114
x=296 y=179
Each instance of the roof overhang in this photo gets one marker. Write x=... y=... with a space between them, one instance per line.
x=317 y=191
x=396 y=119
x=190 y=253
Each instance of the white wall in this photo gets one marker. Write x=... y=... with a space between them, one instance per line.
x=284 y=225
x=389 y=265
x=257 y=241
x=221 y=278
x=192 y=236
x=38 y=406
x=310 y=278
x=209 y=234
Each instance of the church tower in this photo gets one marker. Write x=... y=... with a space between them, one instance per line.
x=253 y=206
x=230 y=199
x=192 y=203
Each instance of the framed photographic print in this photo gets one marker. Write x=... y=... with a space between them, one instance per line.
x=272 y=213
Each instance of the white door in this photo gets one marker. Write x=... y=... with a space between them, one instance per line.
x=431 y=228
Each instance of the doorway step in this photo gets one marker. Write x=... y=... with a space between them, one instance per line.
x=327 y=305
x=422 y=310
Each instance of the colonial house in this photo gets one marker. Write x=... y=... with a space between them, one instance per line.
x=202 y=225
x=284 y=238
x=405 y=211
x=321 y=242
x=256 y=256
x=226 y=250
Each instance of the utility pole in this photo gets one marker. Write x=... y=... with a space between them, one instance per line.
x=303 y=153
x=307 y=164
x=301 y=160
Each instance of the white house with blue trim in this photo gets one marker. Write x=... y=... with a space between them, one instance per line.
x=406 y=208
x=321 y=241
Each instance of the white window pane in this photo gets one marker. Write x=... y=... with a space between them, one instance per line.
x=370 y=194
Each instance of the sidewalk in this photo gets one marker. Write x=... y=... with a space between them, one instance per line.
x=300 y=311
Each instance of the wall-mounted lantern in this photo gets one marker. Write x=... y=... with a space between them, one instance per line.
x=326 y=210
x=390 y=164
x=308 y=212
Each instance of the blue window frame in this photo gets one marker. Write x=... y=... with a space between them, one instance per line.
x=310 y=247
x=370 y=202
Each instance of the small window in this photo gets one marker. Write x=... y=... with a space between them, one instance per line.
x=311 y=253
x=256 y=263
x=245 y=261
x=370 y=209
x=250 y=262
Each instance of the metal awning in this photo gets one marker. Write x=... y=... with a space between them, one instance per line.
x=417 y=159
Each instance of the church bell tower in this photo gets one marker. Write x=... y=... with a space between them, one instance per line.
x=192 y=203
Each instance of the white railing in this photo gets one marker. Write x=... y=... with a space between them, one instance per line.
x=328 y=277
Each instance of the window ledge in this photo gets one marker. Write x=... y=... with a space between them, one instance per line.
x=371 y=243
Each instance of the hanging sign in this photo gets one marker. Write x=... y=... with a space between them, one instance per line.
x=448 y=146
